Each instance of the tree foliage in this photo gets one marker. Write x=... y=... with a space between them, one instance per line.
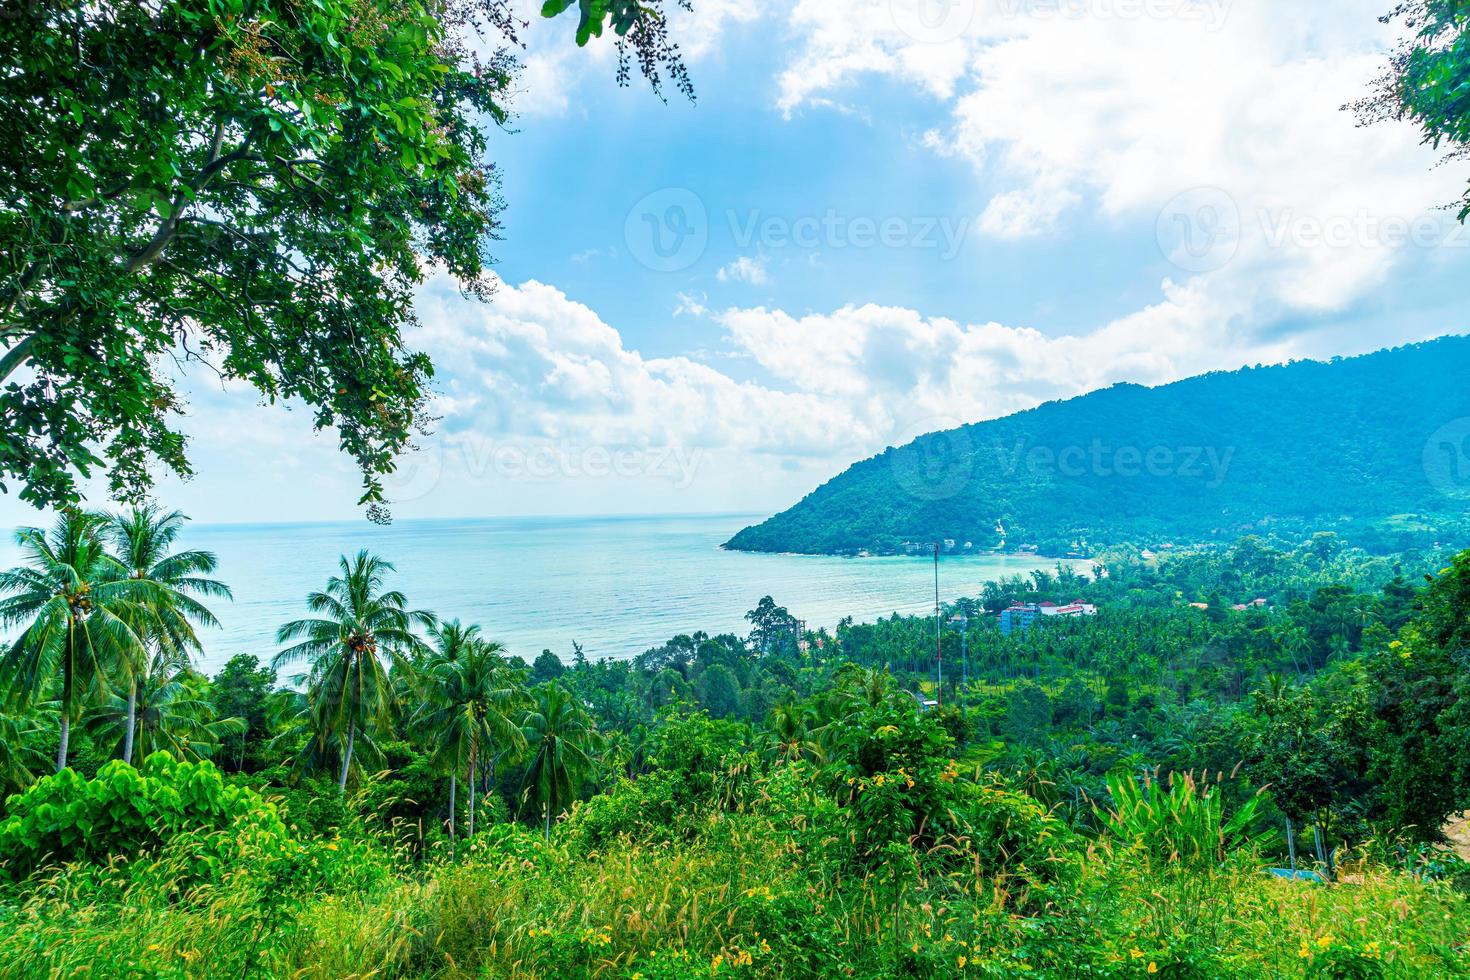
x=253 y=185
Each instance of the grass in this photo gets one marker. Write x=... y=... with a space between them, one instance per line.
x=748 y=896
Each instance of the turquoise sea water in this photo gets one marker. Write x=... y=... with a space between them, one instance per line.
x=617 y=585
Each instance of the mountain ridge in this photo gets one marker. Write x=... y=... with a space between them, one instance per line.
x=1377 y=445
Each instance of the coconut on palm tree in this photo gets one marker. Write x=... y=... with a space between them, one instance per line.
x=143 y=539
x=362 y=632
x=79 y=607
x=469 y=701
x=560 y=739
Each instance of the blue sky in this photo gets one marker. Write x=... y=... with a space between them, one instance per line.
x=884 y=217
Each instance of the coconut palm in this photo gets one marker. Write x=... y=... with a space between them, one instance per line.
x=469 y=700
x=143 y=540
x=363 y=631
x=77 y=604
x=560 y=739
x=21 y=738
x=168 y=711
x=791 y=735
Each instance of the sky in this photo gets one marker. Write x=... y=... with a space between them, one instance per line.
x=882 y=218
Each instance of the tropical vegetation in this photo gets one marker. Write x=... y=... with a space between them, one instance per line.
x=1250 y=762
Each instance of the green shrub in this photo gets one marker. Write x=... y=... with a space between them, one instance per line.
x=1178 y=820
x=125 y=811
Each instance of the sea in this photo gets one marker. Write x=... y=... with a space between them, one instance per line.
x=615 y=585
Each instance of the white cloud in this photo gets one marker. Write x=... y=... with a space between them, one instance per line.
x=535 y=366
x=744 y=269
x=1161 y=117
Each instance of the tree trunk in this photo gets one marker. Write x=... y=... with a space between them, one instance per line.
x=471 y=832
x=346 y=760
x=65 y=739
x=548 y=820
x=453 y=778
x=1291 y=845
x=127 y=752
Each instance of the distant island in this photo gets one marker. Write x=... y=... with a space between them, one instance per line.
x=1375 y=447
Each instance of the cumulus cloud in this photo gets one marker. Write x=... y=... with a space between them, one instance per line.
x=535 y=365
x=1215 y=126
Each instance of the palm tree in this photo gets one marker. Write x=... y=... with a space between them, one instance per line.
x=77 y=603
x=168 y=711
x=362 y=633
x=469 y=699
x=791 y=733
x=143 y=540
x=21 y=737
x=560 y=737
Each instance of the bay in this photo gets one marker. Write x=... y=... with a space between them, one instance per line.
x=616 y=585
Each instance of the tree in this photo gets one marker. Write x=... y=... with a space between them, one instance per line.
x=243 y=689
x=143 y=538
x=362 y=632
x=719 y=692
x=469 y=702
x=546 y=667
x=1428 y=77
x=1028 y=714
x=1419 y=749
x=772 y=628
x=21 y=736
x=791 y=736
x=77 y=604
x=256 y=185
x=168 y=710
x=1293 y=755
x=560 y=739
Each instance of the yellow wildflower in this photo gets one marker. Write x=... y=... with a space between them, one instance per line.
x=1153 y=967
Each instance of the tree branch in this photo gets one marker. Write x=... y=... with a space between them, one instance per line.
x=16 y=356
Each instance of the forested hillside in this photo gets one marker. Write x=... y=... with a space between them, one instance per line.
x=1376 y=447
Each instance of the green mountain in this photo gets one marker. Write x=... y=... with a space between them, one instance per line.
x=1376 y=447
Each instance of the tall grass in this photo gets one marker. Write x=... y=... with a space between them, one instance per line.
x=744 y=898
